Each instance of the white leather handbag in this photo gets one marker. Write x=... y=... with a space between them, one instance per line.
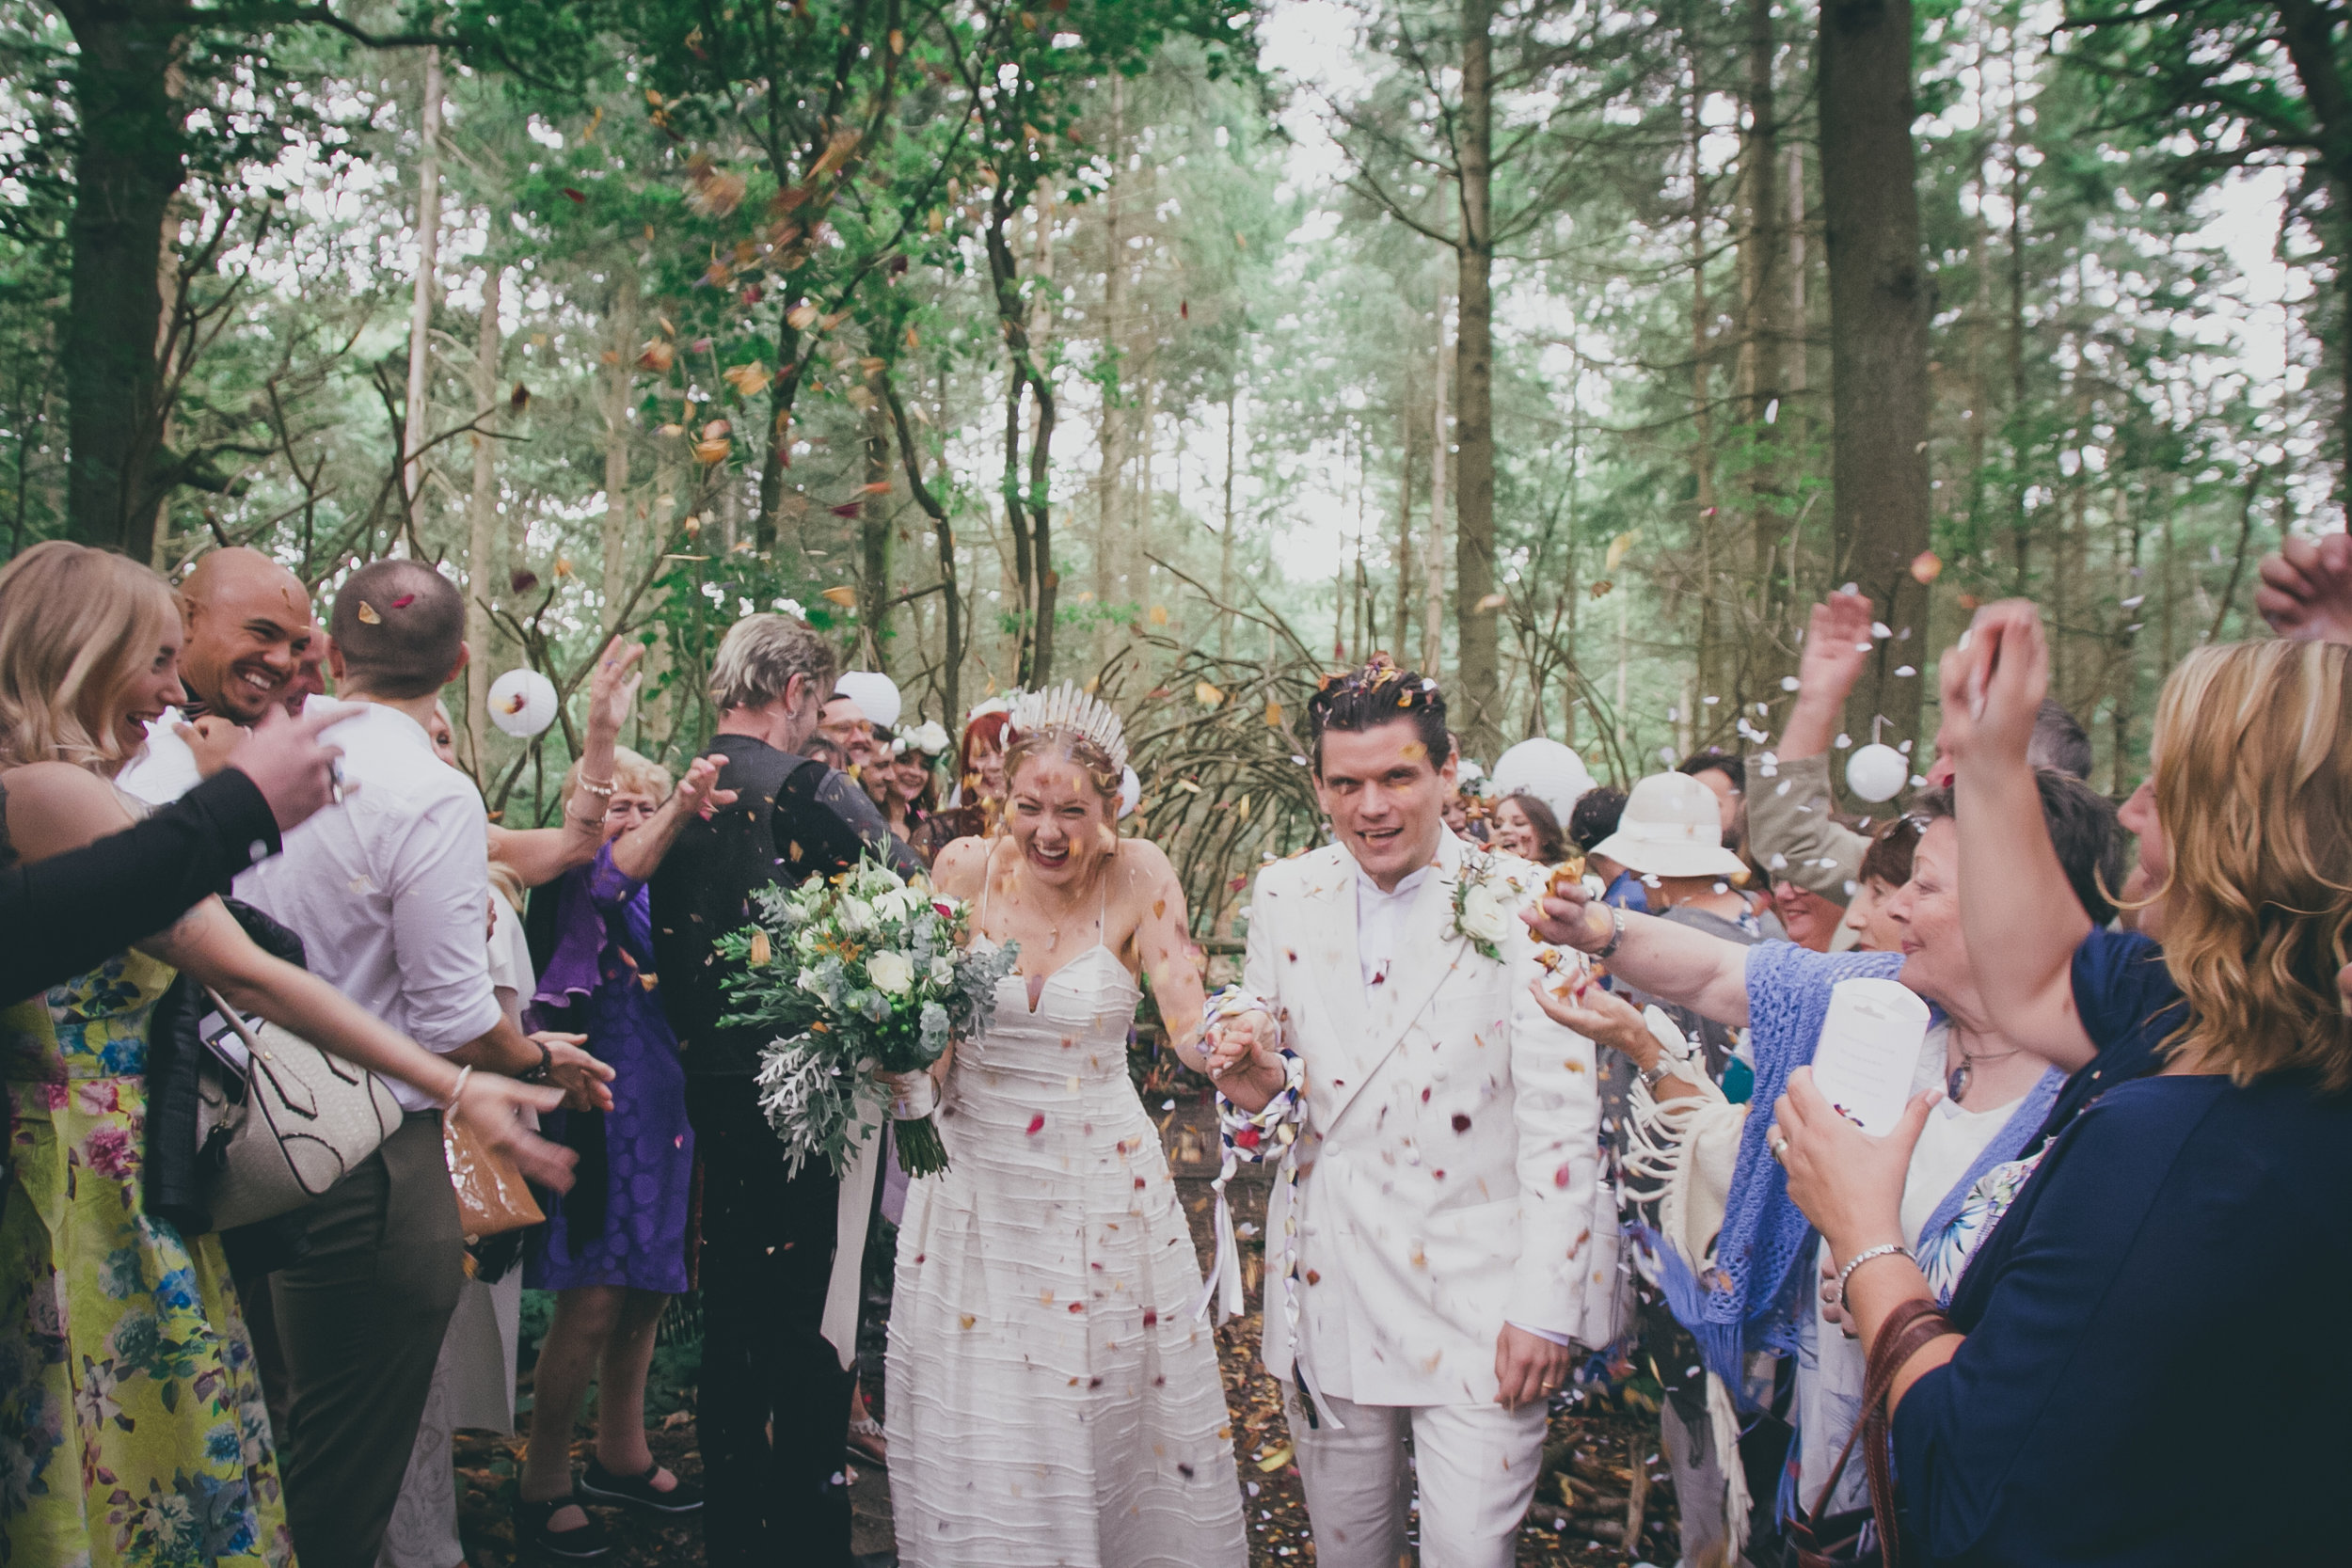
x=278 y=1119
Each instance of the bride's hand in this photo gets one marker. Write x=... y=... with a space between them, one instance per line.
x=1246 y=1040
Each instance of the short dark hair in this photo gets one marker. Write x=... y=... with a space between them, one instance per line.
x=1714 y=759
x=2059 y=742
x=2083 y=829
x=1594 y=816
x=1552 y=847
x=1889 y=859
x=400 y=627
x=1374 y=694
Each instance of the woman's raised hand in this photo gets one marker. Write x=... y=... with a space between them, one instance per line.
x=698 y=792
x=612 y=686
x=1992 y=682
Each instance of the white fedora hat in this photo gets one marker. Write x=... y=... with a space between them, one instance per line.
x=1672 y=827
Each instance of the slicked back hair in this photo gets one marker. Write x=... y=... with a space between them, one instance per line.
x=760 y=654
x=400 y=627
x=1379 y=694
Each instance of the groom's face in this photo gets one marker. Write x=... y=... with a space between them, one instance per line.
x=1386 y=796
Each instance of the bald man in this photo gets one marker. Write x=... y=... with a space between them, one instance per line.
x=250 y=635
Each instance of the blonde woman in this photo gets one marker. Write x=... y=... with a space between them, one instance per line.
x=2189 y=1229
x=131 y=1425
x=1053 y=1395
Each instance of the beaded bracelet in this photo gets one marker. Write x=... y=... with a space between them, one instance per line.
x=1883 y=1249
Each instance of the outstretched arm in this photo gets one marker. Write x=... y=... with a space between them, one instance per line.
x=1686 y=967
x=540 y=855
x=2017 y=911
x=638 y=853
x=2306 y=588
x=1790 y=830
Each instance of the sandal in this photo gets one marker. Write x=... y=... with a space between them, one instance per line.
x=580 y=1544
x=638 y=1491
x=866 y=1444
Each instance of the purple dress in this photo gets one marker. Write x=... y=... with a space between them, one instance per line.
x=626 y=1222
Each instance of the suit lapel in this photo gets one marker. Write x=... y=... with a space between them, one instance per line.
x=1429 y=953
x=1337 y=959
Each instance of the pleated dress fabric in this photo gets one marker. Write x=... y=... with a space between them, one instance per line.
x=1052 y=1402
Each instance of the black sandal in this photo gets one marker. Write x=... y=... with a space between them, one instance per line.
x=580 y=1544
x=639 y=1491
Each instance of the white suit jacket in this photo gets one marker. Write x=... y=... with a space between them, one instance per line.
x=1449 y=1152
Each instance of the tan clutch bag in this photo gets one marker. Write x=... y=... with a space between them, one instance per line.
x=492 y=1196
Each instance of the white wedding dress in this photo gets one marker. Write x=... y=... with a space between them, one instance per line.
x=1051 y=1398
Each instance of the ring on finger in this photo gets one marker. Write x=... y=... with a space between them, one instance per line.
x=1780 y=1152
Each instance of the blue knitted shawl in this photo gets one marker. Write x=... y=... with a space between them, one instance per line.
x=1749 y=1298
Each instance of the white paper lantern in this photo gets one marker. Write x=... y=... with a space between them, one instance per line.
x=522 y=702
x=1548 y=770
x=1877 y=772
x=1129 y=792
x=875 y=695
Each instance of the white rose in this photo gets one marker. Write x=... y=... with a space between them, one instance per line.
x=809 y=982
x=1486 y=914
x=943 y=970
x=856 y=915
x=893 y=973
x=930 y=736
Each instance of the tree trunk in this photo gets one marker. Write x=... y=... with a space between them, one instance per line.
x=873 y=529
x=616 y=434
x=1433 y=550
x=1225 y=534
x=1765 y=340
x=1110 y=480
x=1404 y=532
x=1878 y=337
x=1478 y=715
x=482 y=572
x=911 y=459
x=421 y=307
x=127 y=170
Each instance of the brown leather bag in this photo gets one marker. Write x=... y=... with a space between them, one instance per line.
x=1823 y=1539
x=492 y=1195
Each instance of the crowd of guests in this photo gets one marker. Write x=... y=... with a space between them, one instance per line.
x=2055 y=1315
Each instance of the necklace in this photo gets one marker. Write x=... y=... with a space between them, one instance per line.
x=1957 y=1081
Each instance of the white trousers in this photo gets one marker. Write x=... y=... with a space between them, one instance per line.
x=1476 y=1465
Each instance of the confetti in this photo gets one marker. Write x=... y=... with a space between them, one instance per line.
x=367 y=617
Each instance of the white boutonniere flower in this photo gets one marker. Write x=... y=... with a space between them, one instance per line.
x=1486 y=899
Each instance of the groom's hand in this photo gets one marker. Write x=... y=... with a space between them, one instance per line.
x=1528 y=1367
x=1239 y=1041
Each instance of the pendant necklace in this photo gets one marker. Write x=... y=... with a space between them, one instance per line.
x=1957 y=1081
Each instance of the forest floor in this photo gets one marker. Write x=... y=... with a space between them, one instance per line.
x=1598 y=1437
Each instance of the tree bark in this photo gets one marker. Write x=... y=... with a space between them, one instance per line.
x=130 y=165
x=421 y=307
x=1110 y=480
x=1433 y=550
x=911 y=459
x=1225 y=534
x=873 y=529
x=482 y=543
x=1478 y=711
x=1764 y=356
x=616 y=434
x=1878 y=292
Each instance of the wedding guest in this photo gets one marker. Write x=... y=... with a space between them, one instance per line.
x=2195 y=1208
x=68 y=912
x=248 y=630
x=975 y=804
x=1810 y=920
x=1886 y=866
x=1597 y=811
x=1725 y=775
x=1079 y=1416
x=774 y=1394
x=1524 y=825
x=389 y=895
x=90 y=650
x=614 y=1250
x=1757 y=1272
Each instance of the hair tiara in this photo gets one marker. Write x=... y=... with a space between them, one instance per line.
x=1066 y=708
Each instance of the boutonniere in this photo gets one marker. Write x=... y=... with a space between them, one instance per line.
x=1486 y=898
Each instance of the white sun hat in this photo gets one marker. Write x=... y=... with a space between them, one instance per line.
x=876 y=695
x=1544 y=768
x=1672 y=827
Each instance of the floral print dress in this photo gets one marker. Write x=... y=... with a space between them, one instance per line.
x=133 y=1433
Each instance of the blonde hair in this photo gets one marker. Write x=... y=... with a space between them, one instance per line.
x=2253 y=787
x=507 y=884
x=760 y=654
x=77 y=626
x=631 y=775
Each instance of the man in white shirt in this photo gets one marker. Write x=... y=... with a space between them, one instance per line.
x=250 y=634
x=1439 y=1262
x=388 y=895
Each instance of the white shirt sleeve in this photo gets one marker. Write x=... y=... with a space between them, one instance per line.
x=166 y=769
x=439 y=874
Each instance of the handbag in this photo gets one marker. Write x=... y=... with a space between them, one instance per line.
x=285 y=1124
x=492 y=1196
x=1873 y=1534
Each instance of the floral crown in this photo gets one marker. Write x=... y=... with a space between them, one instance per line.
x=928 y=737
x=1066 y=708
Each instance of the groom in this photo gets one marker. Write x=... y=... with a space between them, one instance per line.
x=1433 y=1272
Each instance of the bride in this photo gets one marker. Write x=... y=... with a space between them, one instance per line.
x=1052 y=1397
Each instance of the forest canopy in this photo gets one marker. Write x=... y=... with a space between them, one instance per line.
x=1186 y=348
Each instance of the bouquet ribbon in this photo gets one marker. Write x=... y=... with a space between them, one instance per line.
x=852 y=1210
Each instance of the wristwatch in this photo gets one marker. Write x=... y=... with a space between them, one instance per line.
x=538 y=1074
x=1616 y=932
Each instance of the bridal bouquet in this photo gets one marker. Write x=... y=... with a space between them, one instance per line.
x=864 y=977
